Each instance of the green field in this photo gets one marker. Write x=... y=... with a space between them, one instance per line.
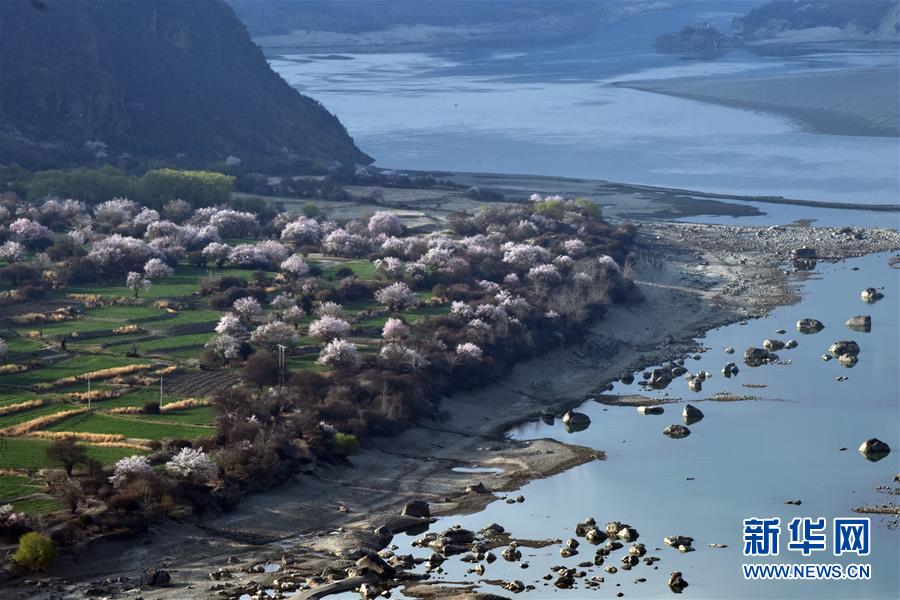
x=13 y=486
x=78 y=364
x=137 y=426
x=184 y=282
x=28 y=453
x=33 y=413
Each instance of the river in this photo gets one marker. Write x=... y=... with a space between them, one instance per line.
x=550 y=110
x=797 y=441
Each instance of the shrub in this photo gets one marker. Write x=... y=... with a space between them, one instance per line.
x=36 y=552
x=345 y=444
x=151 y=408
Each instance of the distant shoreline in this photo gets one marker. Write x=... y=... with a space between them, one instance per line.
x=854 y=102
x=509 y=183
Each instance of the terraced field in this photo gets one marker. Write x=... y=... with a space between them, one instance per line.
x=128 y=346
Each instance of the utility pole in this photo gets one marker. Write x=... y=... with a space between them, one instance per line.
x=160 y=391
x=281 y=350
x=89 y=392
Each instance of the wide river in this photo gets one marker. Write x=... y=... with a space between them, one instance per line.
x=797 y=440
x=549 y=109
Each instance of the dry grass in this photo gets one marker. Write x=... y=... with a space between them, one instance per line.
x=95 y=375
x=183 y=404
x=32 y=318
x=13 y=368
x=131 y=445
x=94 y=438
x=166 y=370
x=126 y=329
x=126 y=410
x=93 y=395
x=35 y=424
x=14 y=408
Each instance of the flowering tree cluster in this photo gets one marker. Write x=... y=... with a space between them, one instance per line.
x=341 y=355
x=130 y=468
x=396 y=296
x=156 y=268
x=328 y=328
x=192 y=464
x=274 y=333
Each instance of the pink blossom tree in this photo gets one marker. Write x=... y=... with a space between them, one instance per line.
x=341 y=355
x=394 y=330
x=328 y=328
x=155 y=268
x=136 y=283
x=396 y=296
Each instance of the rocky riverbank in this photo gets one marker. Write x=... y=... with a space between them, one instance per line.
x=310 y=534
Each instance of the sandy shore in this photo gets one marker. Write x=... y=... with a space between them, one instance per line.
x=694 y=278
x=863 y=102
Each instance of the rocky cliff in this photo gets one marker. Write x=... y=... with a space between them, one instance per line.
x=173 y=81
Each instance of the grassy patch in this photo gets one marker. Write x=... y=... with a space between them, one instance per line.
x=34 y=413
x=130 y=427
x=67 y=368
x=29 y=453
x=37 y=506
x=13 y=486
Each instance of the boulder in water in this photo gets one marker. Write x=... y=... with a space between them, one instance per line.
x=860 y=323
x=809 y=326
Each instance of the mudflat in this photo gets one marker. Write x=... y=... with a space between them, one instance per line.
x=859 y=102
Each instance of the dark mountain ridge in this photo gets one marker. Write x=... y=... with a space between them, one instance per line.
x=82 y=80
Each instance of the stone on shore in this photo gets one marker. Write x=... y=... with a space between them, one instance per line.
x=576 y=418
x=155 y=578
x=417 y=508
x=650 y=410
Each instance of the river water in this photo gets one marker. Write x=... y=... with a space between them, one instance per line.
x=549 y=109
x=743 y=459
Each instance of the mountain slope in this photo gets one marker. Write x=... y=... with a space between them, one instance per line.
x=153 y=79
x=852 y=19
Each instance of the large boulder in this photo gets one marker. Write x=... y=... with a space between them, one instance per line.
x=677 y=582
x=650 y=410
x=691 y=414
x=677 y=431
x=809 y=326
x=871 y=295
x=804 y=253
x=860 y=323
x=155 y=578
x=773 y=344
x=372 y=563
x=417 y=508
x=755 y=357
x=660 y=378
x=844 y=347
x=874 y=449
x=576 y=418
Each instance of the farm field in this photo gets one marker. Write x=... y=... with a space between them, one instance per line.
x=164 y=330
